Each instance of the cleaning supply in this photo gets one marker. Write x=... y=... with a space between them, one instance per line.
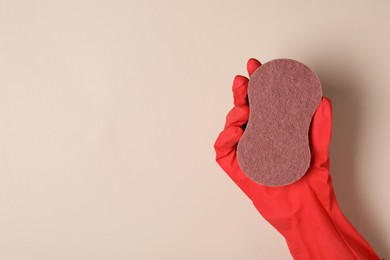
x=283 y=95
x=304 y=212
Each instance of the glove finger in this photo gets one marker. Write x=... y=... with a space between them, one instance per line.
x=240 y=86
x=237 y=116
x=252 y=65
x=227 y=141
x=240 y=83
x=320 y=133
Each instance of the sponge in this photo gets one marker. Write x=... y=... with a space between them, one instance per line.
x=283 y=95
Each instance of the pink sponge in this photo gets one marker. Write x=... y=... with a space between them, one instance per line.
x=283 y=95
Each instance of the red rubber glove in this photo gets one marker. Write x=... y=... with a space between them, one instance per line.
x=306 y=212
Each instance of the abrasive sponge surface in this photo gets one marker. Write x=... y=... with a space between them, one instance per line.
x=283 y=95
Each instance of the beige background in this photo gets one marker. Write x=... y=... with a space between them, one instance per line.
x=109 y=112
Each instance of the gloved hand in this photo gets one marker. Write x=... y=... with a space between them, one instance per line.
x=306 y=212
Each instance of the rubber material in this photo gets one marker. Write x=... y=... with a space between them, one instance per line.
x=306 y=213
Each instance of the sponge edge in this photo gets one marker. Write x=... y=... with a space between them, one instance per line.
x=283 y=96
